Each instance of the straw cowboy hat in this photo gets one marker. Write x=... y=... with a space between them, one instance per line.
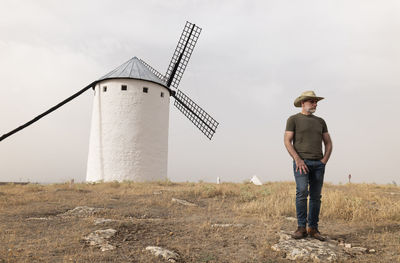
x=306 y=95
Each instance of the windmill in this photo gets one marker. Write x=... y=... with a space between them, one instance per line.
x=129 y=134
x=130 y=117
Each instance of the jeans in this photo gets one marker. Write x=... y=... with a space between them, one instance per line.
x=309 y=184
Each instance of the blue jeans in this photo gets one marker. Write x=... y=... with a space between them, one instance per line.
x=309 y=184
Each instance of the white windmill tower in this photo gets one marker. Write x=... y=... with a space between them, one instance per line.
x=129 y=132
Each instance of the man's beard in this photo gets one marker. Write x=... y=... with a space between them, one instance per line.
x=311 y=110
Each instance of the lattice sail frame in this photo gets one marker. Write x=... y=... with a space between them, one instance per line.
x=154 y=71
x=184 y=49
x=199 y=117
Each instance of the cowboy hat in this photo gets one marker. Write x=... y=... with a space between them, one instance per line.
x=306 y=95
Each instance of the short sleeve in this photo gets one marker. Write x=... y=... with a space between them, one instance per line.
x=290 y=124
x=324 y=127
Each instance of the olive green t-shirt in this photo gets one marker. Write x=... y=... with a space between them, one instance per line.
x=308 y=130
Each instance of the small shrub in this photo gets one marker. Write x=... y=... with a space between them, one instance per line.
x=115 y=184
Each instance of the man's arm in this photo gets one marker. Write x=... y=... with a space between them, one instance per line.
x=289 y=146
x=328 y=147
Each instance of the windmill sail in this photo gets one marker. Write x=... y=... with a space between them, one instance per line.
x=199 y=117
x=182 y=54
x=154 y=71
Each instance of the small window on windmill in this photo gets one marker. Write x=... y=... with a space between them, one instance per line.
x=104 y=88
x=124 y=87
x=145 y=90
x=162 y=94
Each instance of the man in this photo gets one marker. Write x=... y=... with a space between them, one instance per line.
x=304 y=135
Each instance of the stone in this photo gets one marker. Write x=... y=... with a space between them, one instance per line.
x=99 y=238
x=182 y=202
x=227 y=225
x=164 y=253
x=145 y=219
x=38 y=218
x=310 y=249
x=99 y=221
x=289 y=218
x=255 y=180
x=81 y=211
x=359 y=250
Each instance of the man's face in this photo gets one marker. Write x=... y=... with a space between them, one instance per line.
x=310 y=106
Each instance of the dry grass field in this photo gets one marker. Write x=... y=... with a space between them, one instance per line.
x=32 y=230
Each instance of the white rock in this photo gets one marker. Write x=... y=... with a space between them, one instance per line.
x=359 y=249
x=106 y=247
x=255 y=180
x=99 y=221
x=81 y=211
x=106 y=233
x=275 y=247
x=182 y=202
x=309 y=249
x=99 y=238
x=289 y=218
x=227 y=225
x=38 y=218
x=165 y=253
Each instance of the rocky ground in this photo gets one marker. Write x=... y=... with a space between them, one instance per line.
x=168 y=224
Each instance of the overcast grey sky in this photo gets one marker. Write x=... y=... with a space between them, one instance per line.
x=252 y=60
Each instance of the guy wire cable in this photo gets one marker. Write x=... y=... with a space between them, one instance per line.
x=4 y=136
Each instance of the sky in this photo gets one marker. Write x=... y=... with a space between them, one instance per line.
x=252 y=59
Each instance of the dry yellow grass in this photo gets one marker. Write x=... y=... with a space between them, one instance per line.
x=361 y=203
x=363 y=214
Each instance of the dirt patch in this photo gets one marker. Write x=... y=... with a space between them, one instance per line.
x=231 y=223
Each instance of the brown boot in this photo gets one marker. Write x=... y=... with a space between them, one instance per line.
x=300 y=233
x=314 y=233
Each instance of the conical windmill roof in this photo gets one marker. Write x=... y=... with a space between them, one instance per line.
x=133 y=69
